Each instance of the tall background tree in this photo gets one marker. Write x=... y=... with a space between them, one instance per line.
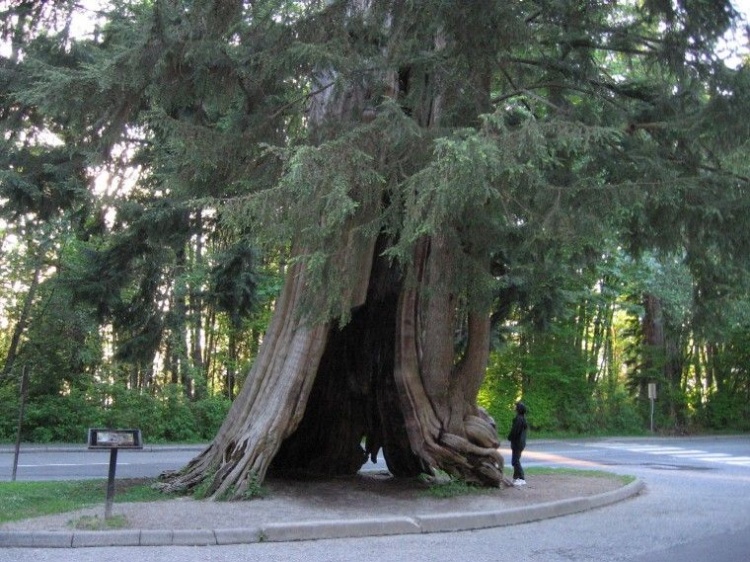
x=434 y=181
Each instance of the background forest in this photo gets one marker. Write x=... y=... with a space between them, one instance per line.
x=137 y=278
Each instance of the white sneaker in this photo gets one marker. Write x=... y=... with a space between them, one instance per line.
x=519 y=482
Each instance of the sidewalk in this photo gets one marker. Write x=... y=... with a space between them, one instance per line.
x=369 y=504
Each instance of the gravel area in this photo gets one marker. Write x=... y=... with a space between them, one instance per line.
x=364 y=496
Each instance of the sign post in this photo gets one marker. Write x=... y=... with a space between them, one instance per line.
x=24 y=396
x=652 y=397
x=113 y=439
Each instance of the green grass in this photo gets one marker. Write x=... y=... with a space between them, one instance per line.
x=95 y=523
x=23 y=500
x=447 y=487
x=444 y=486
x=624 y=478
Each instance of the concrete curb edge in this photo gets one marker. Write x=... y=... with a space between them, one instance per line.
x=320 y=529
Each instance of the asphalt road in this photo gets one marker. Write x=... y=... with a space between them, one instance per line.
x=75 y=462
x=696 y=507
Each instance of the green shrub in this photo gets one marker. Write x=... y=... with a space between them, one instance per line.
x=61 y=418
x=209 y=414
x=178 y=421
x=9 y=412
x=724 y=411
x=616 y=412
x=133 y=409
x=66 y=417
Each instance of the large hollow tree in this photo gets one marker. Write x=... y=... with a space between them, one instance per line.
x=447 y=144
x=418 y=159
x=362 y=346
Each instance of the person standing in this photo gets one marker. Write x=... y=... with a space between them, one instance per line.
x=517 y=438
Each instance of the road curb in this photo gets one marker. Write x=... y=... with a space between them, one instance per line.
x=322 y=529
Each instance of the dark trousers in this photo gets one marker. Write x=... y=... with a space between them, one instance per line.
x=515 y=460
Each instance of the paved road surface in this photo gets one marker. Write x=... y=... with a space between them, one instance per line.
x=696 y=508
x=71 y=462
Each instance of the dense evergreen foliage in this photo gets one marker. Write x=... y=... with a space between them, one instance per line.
x=159 y=172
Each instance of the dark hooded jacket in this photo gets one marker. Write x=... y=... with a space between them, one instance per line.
x=517 y=435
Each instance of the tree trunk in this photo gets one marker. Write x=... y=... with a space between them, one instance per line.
x=269 y=406
x=664 y=359
x=446 y=428
x=197 y=364
x=23 y=321
x=316 y=392
x=371 y=384
x=231 y=365
x=354 y=396
x=388 y=379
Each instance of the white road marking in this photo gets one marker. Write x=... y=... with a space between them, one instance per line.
x=678 y=452
x=70 y=464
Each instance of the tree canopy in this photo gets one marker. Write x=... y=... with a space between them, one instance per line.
x=433 y=180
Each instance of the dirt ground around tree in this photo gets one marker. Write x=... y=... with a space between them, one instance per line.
x=364 y=496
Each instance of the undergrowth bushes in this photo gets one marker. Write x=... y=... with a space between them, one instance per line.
x=66 y=417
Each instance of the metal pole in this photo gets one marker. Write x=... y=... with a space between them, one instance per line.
x=652 y=397
x=24 y=393
x=652 y=415
x=111 y=483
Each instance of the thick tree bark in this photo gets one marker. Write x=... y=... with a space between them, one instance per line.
x=388 y=379
x=354 y=395
x=269 y=406
x=275 y=395
x=372 y=383
x=446 y=428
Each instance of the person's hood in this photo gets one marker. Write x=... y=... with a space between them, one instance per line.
x=521 y=408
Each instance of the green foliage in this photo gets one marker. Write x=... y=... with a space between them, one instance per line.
x=568 y=373
x=500 y=390
x=234 y=283
x=61 y=419
x=66 y=417
x=443 y=485
x=724 y=405
x=727 y=412
x=201 y=490
x=255 y=488
x=178 y=421
x=9 y=398
x=209 y=414
x=578 y=157
x=550 y=378
x=614 y=412
x=167 y=417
